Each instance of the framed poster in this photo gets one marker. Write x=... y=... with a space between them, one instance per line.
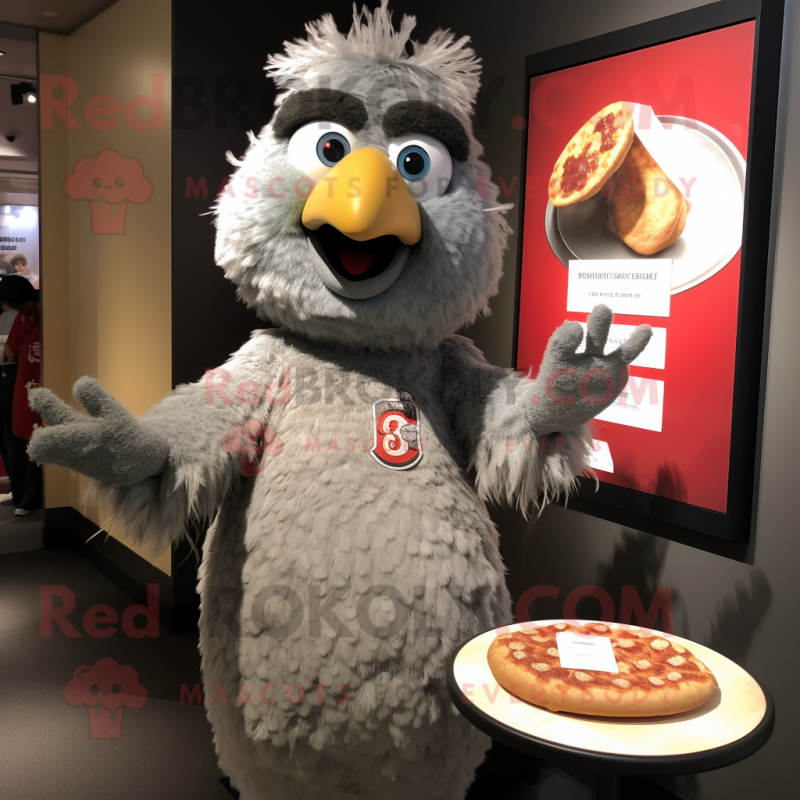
x=648 y=184
x=19 y=242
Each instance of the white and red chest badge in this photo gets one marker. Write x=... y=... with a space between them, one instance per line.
x=398 y=440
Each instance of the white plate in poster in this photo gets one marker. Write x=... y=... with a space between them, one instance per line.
x=715 y=170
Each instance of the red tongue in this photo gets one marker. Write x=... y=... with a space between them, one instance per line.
x=356 y=263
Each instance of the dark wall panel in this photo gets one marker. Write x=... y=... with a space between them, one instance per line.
x=220 y=92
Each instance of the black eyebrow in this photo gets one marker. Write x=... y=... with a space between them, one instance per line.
x=318 y=104
x=417 y=116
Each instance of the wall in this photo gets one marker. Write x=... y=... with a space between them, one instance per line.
x=107 y=296
x=55 y=280
x=221 y=93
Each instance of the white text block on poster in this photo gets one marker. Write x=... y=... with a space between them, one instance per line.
x=600 y=456
x=653 y=356
x=626 y=286
x=640 y=405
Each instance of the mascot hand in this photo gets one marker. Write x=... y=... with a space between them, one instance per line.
x=571 y=387
x=109 y=445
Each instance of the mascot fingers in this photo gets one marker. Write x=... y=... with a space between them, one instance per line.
x=96 y=400
x=597 y=328
x=73 y=445
x=51 y=408
x=632 y=347
x=564 y=342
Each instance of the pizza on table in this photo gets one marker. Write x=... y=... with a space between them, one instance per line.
x=655 y=676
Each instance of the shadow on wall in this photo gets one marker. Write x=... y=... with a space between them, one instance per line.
x=739 y=617
x=670 y=482
x=634 y=571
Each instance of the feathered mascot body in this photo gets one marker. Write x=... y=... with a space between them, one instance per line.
x=344 y=455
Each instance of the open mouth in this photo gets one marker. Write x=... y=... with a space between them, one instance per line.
x=352 y=260
x=356 y=270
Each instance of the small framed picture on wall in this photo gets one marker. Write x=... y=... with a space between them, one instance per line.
x=648 y=171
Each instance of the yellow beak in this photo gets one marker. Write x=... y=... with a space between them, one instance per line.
x=364 y=197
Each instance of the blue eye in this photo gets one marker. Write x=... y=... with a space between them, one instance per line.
x=413 y=163
x=332 y=148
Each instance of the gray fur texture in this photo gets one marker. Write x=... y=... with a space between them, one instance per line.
x=333 y=590
x=449 y=275
x=109 y=445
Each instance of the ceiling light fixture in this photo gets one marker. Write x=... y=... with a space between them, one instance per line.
x=22 y=92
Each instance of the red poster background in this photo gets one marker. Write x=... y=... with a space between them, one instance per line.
x=706 y=77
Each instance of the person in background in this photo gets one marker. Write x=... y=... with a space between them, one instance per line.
x=24 y=344
x=8 y=375
x=5 y=267
x=19 y=263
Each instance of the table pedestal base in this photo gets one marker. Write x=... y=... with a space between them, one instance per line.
x=606 y=786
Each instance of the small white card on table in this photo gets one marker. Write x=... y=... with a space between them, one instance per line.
x=576 y=651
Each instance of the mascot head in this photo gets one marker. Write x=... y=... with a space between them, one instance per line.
x=362 y=216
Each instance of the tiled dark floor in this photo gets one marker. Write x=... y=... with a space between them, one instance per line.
x=165 y=748
x=18 y=534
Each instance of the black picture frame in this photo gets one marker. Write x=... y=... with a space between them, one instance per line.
x=639 y=510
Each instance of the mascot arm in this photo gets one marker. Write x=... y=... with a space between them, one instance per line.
x=527 y=439
x=159 y=472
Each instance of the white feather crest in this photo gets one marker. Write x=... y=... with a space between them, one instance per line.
x=443 y=59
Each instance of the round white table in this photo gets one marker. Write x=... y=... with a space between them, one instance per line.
x=732 y=725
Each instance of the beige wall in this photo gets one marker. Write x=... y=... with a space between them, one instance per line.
x=107 y=296
x=54 y=222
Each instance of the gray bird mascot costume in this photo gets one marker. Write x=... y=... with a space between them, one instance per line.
x=344 y=456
